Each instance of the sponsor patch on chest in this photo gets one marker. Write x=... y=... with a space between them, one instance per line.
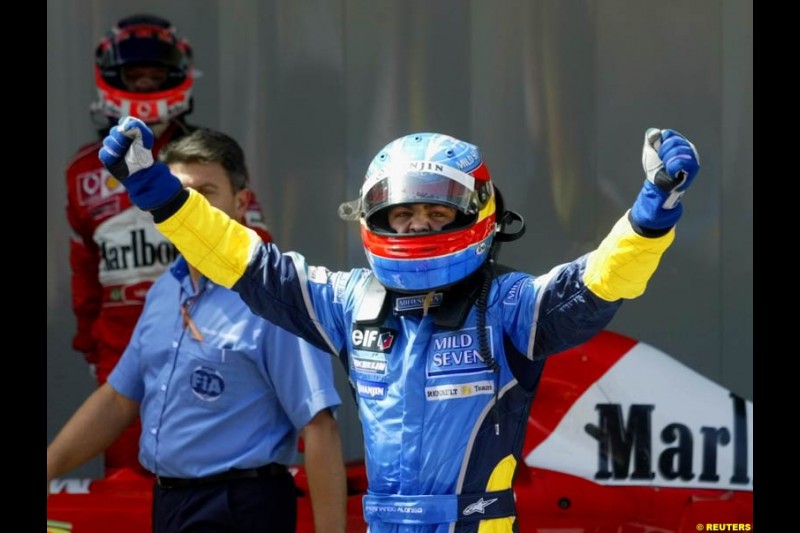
x=371 y=339
x=462 y=390
x=371 y=390
x=457 y=352
x=131 y=248
x=411 y=303
x=370 y=363
x=96 y=186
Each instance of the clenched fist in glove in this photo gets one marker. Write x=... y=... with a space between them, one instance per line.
x=670 y=164
x=126 y=153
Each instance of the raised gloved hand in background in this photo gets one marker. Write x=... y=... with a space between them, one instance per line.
x=671 y=163
x=126 y=153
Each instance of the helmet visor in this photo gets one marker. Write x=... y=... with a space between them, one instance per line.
x=419 y=187
x=134 y=51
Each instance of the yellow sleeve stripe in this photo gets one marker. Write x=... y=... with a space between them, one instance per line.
x=209 y=240
x=623 y=263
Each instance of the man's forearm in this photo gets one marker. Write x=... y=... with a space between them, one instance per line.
x=93 y=427
x=326 y=474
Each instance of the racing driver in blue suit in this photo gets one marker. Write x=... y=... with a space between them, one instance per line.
x=444 y=346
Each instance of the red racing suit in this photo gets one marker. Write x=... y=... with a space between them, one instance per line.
x=115 y=255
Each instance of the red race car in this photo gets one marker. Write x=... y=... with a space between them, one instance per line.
x=621 y=438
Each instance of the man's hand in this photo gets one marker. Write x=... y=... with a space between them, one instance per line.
x=126 y=148
x=126 y=153
x=670 y=163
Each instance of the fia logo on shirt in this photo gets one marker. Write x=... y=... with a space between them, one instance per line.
x=207 y=384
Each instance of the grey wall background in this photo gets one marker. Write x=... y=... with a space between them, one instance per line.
x=557 y=93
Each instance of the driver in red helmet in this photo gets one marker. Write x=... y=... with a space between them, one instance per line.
x=143 y=68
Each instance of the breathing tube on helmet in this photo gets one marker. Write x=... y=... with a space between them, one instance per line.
x=503 y=234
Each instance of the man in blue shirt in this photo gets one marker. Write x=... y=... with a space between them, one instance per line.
x=222 y=393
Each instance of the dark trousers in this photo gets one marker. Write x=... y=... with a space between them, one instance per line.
x=234 y=506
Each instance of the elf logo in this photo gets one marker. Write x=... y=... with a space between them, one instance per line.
x=373 y=339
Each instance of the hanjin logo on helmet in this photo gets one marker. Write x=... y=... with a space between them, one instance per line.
x=425 y=166
x=373 y=339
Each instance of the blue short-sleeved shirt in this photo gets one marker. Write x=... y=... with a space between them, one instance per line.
x=235 y=399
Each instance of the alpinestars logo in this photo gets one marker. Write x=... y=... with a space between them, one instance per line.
x=478 y=507
x=373 y=339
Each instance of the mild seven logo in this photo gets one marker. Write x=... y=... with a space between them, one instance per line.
x=457 y=352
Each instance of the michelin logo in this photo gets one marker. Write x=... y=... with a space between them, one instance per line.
x=369 y=366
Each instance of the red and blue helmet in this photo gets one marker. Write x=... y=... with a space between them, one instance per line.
x=143 y=40
x=427 y=168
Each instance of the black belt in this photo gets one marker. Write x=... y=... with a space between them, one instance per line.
x=270 y=470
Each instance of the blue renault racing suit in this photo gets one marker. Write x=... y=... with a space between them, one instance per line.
x=443 y=431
